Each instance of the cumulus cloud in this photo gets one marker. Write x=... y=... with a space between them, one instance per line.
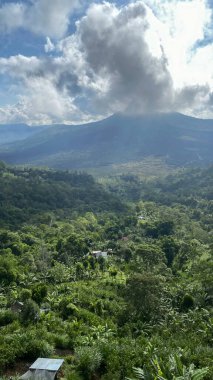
x=42 y=104
x=11 y=16
x=20 y=66
x=40 y=100
x=44 y=17
x=117 y=56
x=142 y=57
x=189 y=48
x=49 y=46
x=135 y=59
x=186 y=22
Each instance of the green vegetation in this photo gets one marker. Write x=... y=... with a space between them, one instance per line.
x=117 y=143
x=32 y=195
x=144 y=312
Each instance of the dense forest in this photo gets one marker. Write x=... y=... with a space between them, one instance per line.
x=142 y=312
x=29 y=194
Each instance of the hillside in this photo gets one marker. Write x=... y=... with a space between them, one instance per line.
x=177 y=139
x=10 y=133
x=186 y=186
x=32 y=195
x=146 y=304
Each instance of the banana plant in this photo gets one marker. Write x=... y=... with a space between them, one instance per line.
x=174 y=369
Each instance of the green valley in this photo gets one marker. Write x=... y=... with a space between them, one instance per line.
x=141 y=310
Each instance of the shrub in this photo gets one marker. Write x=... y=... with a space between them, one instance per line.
x=61 y=341
x=25 y=294
x=67 y=308
x=39 y=292
x=7 y=355
x=119 y=356
x=30 y=312
x=71 y=375
x=7 y=317
x=88 y=360
x=187 y=302
x=32 y=344
x=38 y=348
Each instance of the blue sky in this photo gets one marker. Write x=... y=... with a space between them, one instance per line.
x=72 y=61
x=22 y=41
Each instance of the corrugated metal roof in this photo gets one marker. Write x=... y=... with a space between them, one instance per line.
x=47 y=364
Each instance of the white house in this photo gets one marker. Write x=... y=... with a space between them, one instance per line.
x=98 y=254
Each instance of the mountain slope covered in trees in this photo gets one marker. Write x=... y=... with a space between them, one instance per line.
x=177 y=139
x=147 y=306
x=27 y=194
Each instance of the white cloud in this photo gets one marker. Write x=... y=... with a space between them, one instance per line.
x=136 y=61
x=121 y=59
x=44 y=17
x=40 y=100
x=19 y=66
x=11 y=16
x=50 y=17
x=188 y=23
x=143 y=57
x=49 y=46
x=185 y=23
x=42 y=104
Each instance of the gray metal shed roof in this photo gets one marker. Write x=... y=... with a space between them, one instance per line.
x=47 y=364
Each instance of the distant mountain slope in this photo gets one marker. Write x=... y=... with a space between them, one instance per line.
x=10 y=133
x=177 y=138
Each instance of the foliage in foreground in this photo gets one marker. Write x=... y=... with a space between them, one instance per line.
x=147 y=306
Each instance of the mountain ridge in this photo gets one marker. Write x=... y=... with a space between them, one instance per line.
x=179 y=139
x=10 y=133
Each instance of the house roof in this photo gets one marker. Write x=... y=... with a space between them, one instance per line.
x=47 y=364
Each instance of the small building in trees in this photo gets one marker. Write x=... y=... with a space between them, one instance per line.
x=141 y=217
x=98 y=254
x=43 y=368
